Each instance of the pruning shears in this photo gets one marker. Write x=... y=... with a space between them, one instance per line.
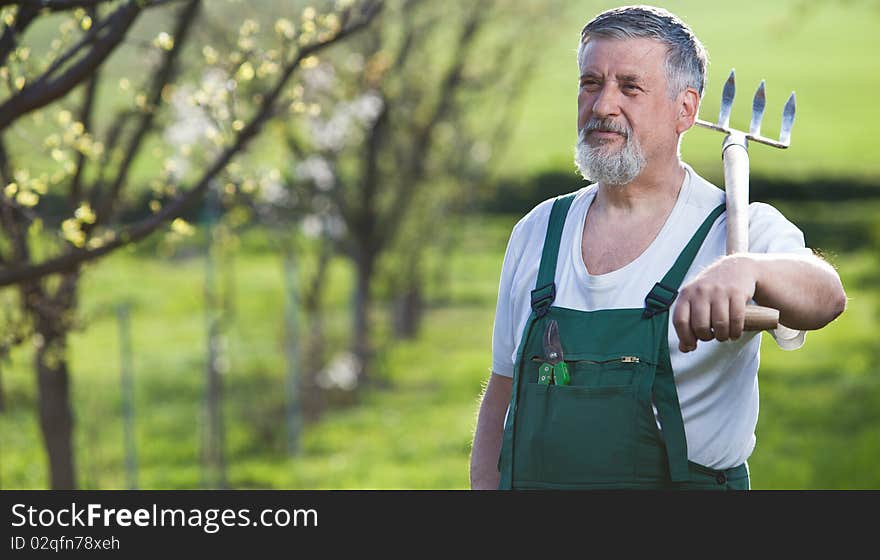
x=554 y=369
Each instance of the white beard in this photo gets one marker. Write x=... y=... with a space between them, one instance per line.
x=604 y=164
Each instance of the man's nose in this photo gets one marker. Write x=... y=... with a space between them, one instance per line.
x=606 y=103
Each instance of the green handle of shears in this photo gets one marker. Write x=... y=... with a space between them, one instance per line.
x=545 y=374
x=560 y=374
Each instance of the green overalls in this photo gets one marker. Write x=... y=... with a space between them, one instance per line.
x=599 y=431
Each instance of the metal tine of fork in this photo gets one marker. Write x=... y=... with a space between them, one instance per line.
x=787 y=121
x=727 y=100
x=758 y=105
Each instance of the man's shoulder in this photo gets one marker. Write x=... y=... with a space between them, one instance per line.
x=765 y=220
x=540 y=214
x=703 y=193
x=706 y=194
x=529 y=232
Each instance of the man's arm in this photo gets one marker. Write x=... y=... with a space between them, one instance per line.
x=804 y=288
x=487 y=436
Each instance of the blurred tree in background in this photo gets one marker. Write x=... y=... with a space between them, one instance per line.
x=406 y=129
x=390 y=132
x=93 y=163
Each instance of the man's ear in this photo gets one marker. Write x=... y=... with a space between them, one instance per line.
x=688 y=108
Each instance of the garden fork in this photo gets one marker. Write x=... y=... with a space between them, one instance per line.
x=735 y=156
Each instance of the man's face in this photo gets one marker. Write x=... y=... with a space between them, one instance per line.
x=626 y=120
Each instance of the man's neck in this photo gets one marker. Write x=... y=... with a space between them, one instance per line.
x=654 y=190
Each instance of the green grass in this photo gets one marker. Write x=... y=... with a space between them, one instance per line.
x=374 y=445
x=819 y=406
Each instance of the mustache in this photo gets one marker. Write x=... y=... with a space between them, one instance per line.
x=605 y=125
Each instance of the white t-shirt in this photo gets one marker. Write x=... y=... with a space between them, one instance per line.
x=717 y=383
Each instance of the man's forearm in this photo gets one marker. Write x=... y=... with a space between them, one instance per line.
x=806 y=290
x=484 y=457
x=488 y=434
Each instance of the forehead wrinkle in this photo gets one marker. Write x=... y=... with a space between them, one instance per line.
x=643 y=69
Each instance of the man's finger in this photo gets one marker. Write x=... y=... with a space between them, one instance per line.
x=701 y=319
x=681 y=321
x=737 y=318
x=721 y=319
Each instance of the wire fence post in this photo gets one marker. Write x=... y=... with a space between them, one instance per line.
x=291 y=351
x=127 y=377
x=214 y=442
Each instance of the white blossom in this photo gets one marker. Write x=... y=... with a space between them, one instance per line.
x=272 y=191
x=334 y=133
x=319 y=79
x=340 y=373
x=317 y=170
x=312 y=226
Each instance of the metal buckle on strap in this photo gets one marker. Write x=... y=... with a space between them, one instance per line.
x=542 y=299
x=659 y=299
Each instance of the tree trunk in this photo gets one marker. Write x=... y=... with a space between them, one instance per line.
x=408 y=307
x=51 y=314
x=292 y=351
x=314 y=400
x=362 y=349
x=56 y=417
x=442 y=288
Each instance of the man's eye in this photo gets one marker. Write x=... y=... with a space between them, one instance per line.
x=631 y=87
x=589 y=84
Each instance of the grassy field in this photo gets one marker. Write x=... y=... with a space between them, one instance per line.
x=819 y=409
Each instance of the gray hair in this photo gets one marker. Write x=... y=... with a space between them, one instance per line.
x=686 y=58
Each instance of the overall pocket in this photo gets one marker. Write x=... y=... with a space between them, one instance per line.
x=617 y=372
x=576 y=436
x=620 y=371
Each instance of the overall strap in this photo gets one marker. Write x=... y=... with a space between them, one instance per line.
x=545 y=287
x=664 y=292
x=542 y=298
x=658 y=301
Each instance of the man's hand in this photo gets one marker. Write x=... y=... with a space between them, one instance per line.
x=805 y=289
x=713 y=305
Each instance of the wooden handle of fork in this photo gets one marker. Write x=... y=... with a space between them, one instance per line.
x=736 y=192
x=761 y=318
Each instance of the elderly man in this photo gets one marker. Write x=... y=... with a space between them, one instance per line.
x=619 y=357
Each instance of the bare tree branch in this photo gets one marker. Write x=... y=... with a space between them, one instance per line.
x=11 y=217
x=74 y=257
x=123 y=117
x=9 y=40
x=413 y=31
x=163 y=77
x=387 y=227
x=74 y=50
x=47 y=89
x=66 y=5
x=85 y=118
x=52 y=5
x=365 y=213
